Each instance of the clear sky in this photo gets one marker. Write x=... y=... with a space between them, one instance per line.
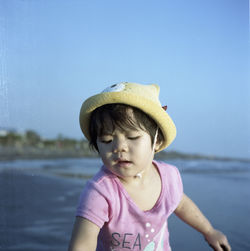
x=56 y=53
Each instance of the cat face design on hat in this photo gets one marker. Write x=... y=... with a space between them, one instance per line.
x=115 y=88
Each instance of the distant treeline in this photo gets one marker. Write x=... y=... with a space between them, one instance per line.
x=32 y=138
x=31 y=145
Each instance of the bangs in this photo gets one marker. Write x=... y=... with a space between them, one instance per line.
x=107 y=118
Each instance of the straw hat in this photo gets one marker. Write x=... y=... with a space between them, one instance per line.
x=144 y=97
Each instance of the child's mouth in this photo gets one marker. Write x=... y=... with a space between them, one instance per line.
x=124 y=162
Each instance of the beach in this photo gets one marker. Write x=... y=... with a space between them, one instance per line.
x=37 y=212
x=38 y=200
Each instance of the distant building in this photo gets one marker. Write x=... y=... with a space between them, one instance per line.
x=5 y=131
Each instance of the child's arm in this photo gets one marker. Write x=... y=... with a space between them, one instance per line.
x=84 y=235
x=190 y=213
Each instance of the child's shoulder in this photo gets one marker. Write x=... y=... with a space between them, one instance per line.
x=165 y=166
x=102 y=175
x=102 y=179
x=166 y=169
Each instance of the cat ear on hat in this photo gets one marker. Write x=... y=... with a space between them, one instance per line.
x=164 y=107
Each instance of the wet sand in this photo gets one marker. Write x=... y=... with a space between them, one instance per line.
x=37 y=211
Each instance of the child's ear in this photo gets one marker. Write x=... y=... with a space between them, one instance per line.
x=157 y=145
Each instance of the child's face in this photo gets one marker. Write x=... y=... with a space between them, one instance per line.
x=126 y=152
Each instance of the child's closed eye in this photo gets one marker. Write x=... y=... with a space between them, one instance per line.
x=106 y=141
x=133 y=137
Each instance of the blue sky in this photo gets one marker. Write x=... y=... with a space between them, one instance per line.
x=55 y=54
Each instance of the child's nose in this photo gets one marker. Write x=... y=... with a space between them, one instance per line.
x=119 y=145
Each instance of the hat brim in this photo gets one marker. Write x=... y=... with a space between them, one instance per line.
x=155 y=111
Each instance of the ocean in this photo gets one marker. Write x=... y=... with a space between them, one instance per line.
x=38 y=200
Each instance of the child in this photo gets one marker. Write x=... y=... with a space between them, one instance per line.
x=125 y=206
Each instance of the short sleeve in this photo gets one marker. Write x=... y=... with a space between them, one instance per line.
x=174 y=186
x=93 y=205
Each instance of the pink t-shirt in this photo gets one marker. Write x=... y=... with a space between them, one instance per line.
x=123 y=226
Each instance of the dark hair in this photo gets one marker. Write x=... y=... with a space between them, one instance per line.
x=118 y=115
